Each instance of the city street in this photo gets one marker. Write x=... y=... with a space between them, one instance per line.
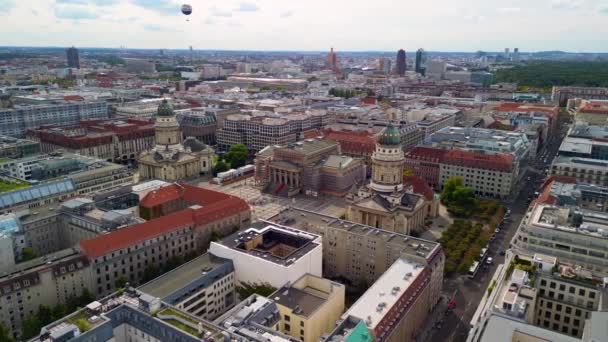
x=468 y=292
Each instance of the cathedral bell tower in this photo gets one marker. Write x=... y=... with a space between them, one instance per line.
x=388 y=162
x=168 y=133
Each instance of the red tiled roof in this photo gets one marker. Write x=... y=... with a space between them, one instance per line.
x=419 y=186
x=125 y=237
x=73 y=98
x=594 y=108
x=352 y=141
x=560 y=179
x=214 y=206
x=500 y=162
x=526 y=107
x=427 y=153
x=162 y=195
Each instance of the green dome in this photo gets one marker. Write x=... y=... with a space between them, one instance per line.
x=165 y=109
x=390 y=136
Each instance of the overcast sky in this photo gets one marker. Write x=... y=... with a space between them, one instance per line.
x=387 y=25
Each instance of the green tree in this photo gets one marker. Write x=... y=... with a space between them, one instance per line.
x=220 y=166
x=59 y=311
x=83 y=325
x=237 y=155
x=5 y=334
x=121 y=282
x=27 y=253
x=30 y=327
x=45 y=314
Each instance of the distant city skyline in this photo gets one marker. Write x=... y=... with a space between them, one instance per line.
x=315 y=25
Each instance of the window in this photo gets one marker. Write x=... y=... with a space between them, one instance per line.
x=287 y=327
x=574 y=332
x=591 y=294
x=568 y=310
x=571 y=289
x=552 y=285
x=576 y=322
x=581 y=292
x=287 y=318
x=577 y=313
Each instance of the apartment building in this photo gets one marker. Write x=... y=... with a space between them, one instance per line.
x=585 y=141
x=412 y=135
x=587 y=170
x=271 y=254
x=592 y=112
x=204 y=287
x=119 y=141
x=425 y=162
x=18 y=120
x=48 y=280
x=567 y=221
x=132 y=316
x=309 y=307
x=358 y=252
x=127 y=252
x=434 y=122
x=397 y=304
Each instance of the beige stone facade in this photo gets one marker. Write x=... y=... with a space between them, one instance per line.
x=172 y=158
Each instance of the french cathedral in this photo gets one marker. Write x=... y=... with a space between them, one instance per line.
x=173 y=158
x=387 y=202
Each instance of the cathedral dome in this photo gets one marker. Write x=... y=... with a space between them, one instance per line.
x=165 y=109
x=390 y=136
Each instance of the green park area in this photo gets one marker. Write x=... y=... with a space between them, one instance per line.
x=474 y=224
x=546 y=74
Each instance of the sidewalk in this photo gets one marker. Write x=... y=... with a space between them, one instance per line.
x=435 y=316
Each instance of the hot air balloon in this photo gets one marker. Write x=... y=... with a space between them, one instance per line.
x=186 y=9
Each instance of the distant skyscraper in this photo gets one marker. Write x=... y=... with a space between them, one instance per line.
x=516 y=54
x=73 y=59
x=401 y=64
x=507 y=53
x=420 y=59
x=332 y=60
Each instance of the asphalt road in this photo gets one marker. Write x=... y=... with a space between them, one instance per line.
x=468 y=292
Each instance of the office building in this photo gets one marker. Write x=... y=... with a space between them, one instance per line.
x=118 y=141
x=36 y=195
x=203 y=287
x=332 y=60
x=174 y=158
x=259 y=131
x=542 y=295
x=357 y=252
x=185 y=228
x=18 y=120
x=255 y=319
x=14 y=148
x=436 y=69
x=271 y=254
x=434 y=121
x=309 y=307
x=585 y=141
x=73 y=58
x=310 y=166
x=420 y=61
x=140 y=66
x=567 y=221
x=386 y=203
x=592 y=112
x=397 y=304
x=401 y=63
x=561 y=95
x=425 y=162
x=200 y=125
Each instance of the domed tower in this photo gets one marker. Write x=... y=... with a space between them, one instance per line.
x=388 y=162
x=168 y=133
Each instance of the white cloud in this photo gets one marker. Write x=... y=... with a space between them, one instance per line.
x=509 y=10
x=567 y=4
x=216 y=12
